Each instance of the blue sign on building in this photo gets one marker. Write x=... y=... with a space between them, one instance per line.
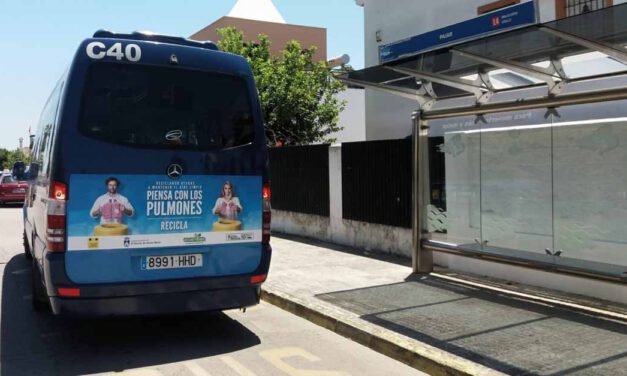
x=505 y=19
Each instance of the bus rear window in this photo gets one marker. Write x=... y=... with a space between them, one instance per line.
x=150 y=106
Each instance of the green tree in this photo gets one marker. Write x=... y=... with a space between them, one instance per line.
x=8 y=158
x=4 y=157
x=298 y=96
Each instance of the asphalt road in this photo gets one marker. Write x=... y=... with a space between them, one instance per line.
x=263 y=341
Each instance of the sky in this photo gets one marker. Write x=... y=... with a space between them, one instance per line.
x=39 y=37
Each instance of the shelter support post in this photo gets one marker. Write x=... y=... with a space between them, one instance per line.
x=422 y=259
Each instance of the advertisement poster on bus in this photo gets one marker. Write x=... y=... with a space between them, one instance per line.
x=145 y=211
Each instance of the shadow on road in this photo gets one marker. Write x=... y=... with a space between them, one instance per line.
x=12 y=205
x=39 y=343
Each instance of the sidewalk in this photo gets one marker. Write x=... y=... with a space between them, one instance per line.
x=438 y=324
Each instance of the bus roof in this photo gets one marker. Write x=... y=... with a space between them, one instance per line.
x=152 y=37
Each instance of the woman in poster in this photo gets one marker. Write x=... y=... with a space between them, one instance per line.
x=227 y=205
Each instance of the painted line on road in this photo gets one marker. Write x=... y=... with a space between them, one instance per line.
x=237 y=366
x=416 y=354
x=196 y=369
x=136 y=372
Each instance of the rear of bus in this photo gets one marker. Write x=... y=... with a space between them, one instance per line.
x=159 y=199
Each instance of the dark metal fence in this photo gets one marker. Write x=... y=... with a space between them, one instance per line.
x=376 y=182
x=300 y=179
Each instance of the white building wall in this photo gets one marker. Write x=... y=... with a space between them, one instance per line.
x=353 y=118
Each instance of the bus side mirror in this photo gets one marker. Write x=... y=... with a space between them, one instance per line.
x=33 y=171
x=19 y=169
x=31 y=142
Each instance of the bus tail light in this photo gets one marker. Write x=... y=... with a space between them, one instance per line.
x=258 y=278
x=69 y=292
x=266 y=215
x=55 y=220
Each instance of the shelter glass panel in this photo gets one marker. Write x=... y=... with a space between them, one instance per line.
x=516 y=186
x=547 y=186
x=590 y=156
x=453 y=213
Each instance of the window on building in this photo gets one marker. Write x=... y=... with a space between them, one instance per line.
x=495 y=5
x=575 y=7
x=567 y=8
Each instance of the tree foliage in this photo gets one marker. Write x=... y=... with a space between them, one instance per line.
x=9 y=157
x=298 y=96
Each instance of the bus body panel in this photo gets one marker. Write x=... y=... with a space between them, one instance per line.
x=115 y=274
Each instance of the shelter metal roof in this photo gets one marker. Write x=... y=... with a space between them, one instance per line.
x=553 y=54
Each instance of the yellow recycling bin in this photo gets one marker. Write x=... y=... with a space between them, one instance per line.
x=227 y=225
x=111 y=229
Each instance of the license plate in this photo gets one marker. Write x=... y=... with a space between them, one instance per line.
x=19 y=190
x=172 y=261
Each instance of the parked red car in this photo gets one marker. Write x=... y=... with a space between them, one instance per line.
x=12 y=190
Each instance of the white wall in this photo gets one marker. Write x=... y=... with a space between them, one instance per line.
x=353 y=118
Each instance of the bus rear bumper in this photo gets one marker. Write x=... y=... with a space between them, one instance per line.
x=166 y=303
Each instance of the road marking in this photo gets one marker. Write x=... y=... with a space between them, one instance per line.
x=276 y=356
x=196 y=369
x=237 y=366
x=136 y=372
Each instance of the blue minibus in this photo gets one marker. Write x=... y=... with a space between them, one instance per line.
x=148 y=186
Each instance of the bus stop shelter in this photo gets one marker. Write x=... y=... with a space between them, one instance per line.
x=512 y=133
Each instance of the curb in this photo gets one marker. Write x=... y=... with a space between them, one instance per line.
x=415 y=354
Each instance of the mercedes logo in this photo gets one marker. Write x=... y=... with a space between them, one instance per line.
x=175 y=171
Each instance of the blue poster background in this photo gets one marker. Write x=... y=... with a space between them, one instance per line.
x=85 y=189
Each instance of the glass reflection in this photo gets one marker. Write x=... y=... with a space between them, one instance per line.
x=544 y=185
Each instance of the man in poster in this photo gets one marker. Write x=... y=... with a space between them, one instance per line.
x=111 y=206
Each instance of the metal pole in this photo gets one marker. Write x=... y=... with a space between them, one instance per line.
x=422 y=259
x=415 y=213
